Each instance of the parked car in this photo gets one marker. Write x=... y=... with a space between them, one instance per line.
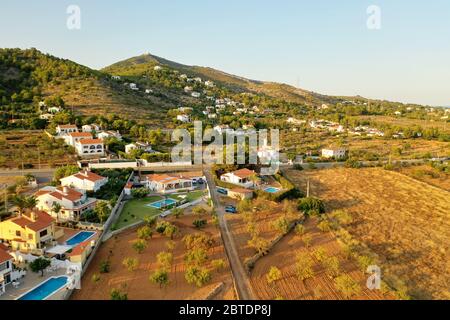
x=222 y=191
x=230 y=209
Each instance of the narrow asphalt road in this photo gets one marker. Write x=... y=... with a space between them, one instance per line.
x=242 y=282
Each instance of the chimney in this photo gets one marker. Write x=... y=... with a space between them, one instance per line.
x=65 y=190
x=33 y=216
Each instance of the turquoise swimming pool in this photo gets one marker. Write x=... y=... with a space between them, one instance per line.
x=162 y=203
x=45 y=289
x=272 y=190
x=80 y=237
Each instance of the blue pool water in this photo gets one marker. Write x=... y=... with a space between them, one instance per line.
x=45 y=289
x=80 y=237
x=162 y=204
x=272 y=190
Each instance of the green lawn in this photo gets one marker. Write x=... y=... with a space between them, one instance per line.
x=136 y=210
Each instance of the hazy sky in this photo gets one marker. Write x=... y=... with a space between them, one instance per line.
x=320 y=45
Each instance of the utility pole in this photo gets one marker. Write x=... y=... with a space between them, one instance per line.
x=39 y=158
x=308 y=189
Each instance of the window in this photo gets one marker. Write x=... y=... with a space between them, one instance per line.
x=4 y=266
x=30 y=236
x=18 y=234
x=43 y=233
x=99 y=146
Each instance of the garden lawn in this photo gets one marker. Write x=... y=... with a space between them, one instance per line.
x=136 y=210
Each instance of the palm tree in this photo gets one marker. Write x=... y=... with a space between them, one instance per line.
x=19 y=202
x=30 y=202
x=56 y=208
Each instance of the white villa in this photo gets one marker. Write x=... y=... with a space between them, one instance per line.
x=183 y=118
x=90 y=147
x=84 y=181
x=133 y=86
x=64 y=129
x=138 y=146
x=337 y=153
x=240 y=177
x=91 y=127
x=6 y=268
x=195 y=94
x=109 y=134
x=73 y=203
x=74 y=137
x=164 y=183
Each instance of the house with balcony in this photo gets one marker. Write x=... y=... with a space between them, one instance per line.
x=74 y=137
x=109 y=134
x=165 y=183
x=74 y=203
x=29 y=232
x=64 y=129
x=90 y=148
x=91 y=128
x=84 y=181
x=242 y=177
x=334 y=152
x=6 y=268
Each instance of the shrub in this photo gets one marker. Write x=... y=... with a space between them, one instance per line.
x=347 y=286
x=105 y=266
x=311 y=205
x=197 y=276
x=130 y=263
x=273 y=275
x=139 y=246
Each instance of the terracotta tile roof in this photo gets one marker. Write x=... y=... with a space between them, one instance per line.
x=88 y=175
x=162 y=178
x=41 y=192
x=67 y=193
x=42 y=220
x=91 y=141
x=190 y=175
x=80 y=248
x=80 y=134
x=244 y=173
x=241 y=190
x=68 y=126
x=4 y=256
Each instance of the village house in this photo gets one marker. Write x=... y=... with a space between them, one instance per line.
x=84 y=181
x=241 y=177
x=91 y=128
x=209 y=84
x=81 y=252
x=72 y=138
x=165 y=183
x=109 y=134
x=223 y=128
x=64 y=129
x=157 y=68
x=115 y=77
x=184 y=118
x=188 y=89
x=195 y=94
x=143 y=146
x=73 y=202
x=6 y=268
x=133 y=86
x=240 y=194
x=90 y=147
x=334 y=152
x=29 y=232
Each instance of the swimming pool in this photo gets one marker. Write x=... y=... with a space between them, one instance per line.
x=162 y=203
x=272 y=190
x=45 y=289
x=80 y=237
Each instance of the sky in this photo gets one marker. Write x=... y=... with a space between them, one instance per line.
x=322 y=45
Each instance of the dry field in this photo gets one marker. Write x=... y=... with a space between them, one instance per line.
x=405 y=122
x=429 y=175
x=321 y=286
x=136 y=283
x=404 y=221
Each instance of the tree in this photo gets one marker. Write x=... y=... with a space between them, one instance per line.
x=65 y=171
x=281 y=225
x=130 y=263
x=23 y=202
x=199 y=211
x=342 y=217
x=139 y=193
x=260 y=245
x=199 y=223
x=144 y=233
x=347 y=286
x=197 y=276
x=140 y=246
x=198 y=240
x=331 y=266
x=170 y=231
x=102 y=210
x=307 y=238
x=300 y=230
x=160 y=277
x=164 y=260
x=196 y=256
x=273 y=275
x=117 y=294
x=151 y=221
x=39 y=265
x=178 y=212
x=324 y=226
x=320 y=254
x=304 y=266
x=56 y=209
x=311 y=205
x=218 y=264
x=105 y=266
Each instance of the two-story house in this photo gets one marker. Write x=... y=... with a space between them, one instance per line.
x=90 y=147
x=6 y=267
x=73 y=203
x=64 y=129
x=84 y=181
x=29 y=231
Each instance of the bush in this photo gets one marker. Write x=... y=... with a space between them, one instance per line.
x=105 y=266
x=311 y=206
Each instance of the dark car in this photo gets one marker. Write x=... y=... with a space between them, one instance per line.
x=222 y=191
x=230 y=209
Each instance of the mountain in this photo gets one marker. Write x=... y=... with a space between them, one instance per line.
x=29 y=76
x=139 y=65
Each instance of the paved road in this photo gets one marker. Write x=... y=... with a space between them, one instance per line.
x=242 y=282
x=42 y=175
